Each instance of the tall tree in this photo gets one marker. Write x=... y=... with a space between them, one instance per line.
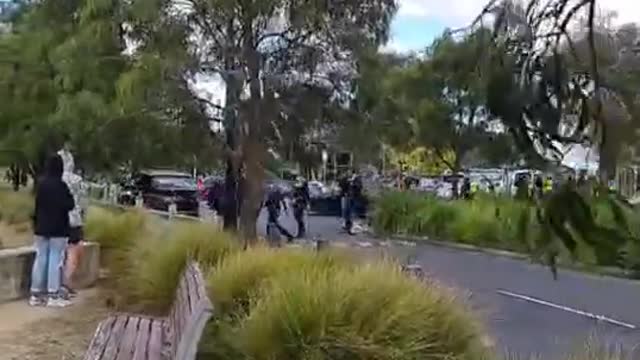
x=65 y=69
x=548 y=94
x=268 y=46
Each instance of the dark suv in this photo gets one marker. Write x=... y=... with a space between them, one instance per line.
x=161 y=188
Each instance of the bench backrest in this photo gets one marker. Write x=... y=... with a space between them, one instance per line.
x=189 y=315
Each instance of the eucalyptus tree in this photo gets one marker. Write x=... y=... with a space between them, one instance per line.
x=550 y=89
x=259 y=49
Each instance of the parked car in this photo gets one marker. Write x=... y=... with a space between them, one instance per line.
x=210 y=183
x=159 y=189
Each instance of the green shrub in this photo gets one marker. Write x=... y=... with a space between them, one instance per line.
x=236 y=277
x=393 y=211
x=155 y=262
x=114 y=230
x=370 y=312
x=500 y=222
x=17 y=207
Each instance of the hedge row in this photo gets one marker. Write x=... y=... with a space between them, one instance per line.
x=494 y=222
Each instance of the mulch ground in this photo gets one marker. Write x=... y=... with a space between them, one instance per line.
x=59 y=334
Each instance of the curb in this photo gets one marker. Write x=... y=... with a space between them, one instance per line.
x=598 y=271
x=417 y=240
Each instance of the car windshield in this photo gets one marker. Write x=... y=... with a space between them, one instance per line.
x=174 y=183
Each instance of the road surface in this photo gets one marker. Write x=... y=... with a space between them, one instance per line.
x=526 y=311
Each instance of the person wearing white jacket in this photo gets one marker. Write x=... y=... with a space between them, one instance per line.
x=79 y=192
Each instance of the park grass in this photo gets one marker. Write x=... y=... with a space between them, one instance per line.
x=16 y=210
x=16 y=207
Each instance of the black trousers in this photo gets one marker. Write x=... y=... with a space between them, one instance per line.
x=298 y=214
x=273 y=221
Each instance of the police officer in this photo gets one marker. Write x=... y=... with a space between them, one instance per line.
x=465 y=191
x=300 y=202
x=275 y=204
x=538 y=187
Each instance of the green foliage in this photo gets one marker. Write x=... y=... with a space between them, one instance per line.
x=145 y=255
x=238 y=276
x=156 y=262
x=437 y=102
x=74 y=78
x=285 y=323
x=17 y=207
x=114 y=230
x=293 y=303
x=600 y=231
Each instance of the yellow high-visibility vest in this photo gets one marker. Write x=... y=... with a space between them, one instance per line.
x=547 y=187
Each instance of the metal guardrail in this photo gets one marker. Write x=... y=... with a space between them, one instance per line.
x=107 y=195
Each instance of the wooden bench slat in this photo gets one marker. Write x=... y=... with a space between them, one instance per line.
x=115 y=339
x=202 y=284
x=180 y=317
x=125 y=352
x=155 y=341
x=193 y=291
x=100 y=339
x=176 y=337
x=142 y=340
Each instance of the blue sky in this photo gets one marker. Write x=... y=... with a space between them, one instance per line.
x=414 y=33
x=418 y=22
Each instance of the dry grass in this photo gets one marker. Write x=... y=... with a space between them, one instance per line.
x=16 y=235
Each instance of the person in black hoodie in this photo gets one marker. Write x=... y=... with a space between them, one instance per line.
x=51 y=228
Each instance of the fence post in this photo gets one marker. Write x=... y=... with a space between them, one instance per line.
x=173 y=210
x=321 y=244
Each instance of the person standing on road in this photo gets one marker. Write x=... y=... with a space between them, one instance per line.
x=300 y=202
x=353 y=189
x=345 y=202
x=53 y=202
x=76 y=234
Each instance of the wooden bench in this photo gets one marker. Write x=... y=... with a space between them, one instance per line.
x=176 y=337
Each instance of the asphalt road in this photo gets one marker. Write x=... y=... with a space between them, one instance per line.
x=551 y=321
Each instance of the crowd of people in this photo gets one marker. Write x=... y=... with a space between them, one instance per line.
x=60 y=205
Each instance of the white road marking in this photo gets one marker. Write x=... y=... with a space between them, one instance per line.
x=568 y=309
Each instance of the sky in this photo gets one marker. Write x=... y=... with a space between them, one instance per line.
x=418 y=22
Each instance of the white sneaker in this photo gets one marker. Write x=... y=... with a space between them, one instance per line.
x=37 y=301
x=58 y=302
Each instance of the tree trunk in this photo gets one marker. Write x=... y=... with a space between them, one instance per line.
x=253 y=149
x=231 y=197
x=253 y=190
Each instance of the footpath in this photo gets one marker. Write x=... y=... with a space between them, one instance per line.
x=41 y=333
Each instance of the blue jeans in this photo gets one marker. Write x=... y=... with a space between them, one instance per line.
x=47 y=267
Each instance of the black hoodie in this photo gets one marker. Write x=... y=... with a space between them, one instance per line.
x=53 y=202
